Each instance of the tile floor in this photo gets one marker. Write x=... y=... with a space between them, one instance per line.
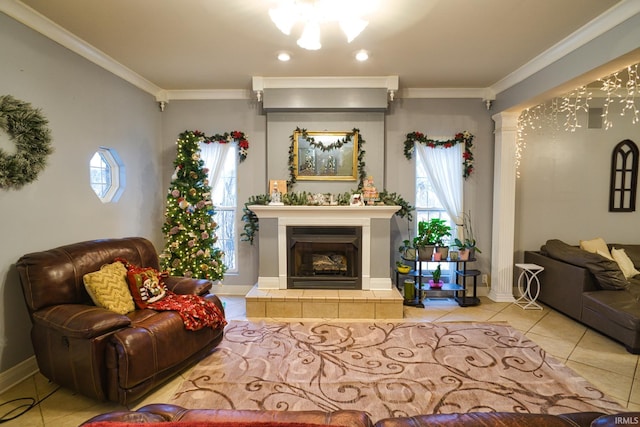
x=600 y=360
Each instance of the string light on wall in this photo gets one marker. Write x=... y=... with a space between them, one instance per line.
x=621 y=85
x=614 y=87
x=572 y=104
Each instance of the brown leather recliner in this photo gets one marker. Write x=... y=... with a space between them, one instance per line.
x=97 y=352
x=160 y=413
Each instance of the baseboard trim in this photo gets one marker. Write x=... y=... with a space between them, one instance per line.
x=231 y=290
x=18 y=373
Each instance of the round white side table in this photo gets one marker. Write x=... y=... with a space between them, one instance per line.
x=528 y=295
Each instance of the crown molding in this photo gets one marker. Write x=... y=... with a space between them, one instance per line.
x=387 y=82
x=202 y=94
x=482 y=93
x=38 y=22
x=595 y=28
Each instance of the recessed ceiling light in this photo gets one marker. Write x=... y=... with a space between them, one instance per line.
x=284 y=56
x=362 y=55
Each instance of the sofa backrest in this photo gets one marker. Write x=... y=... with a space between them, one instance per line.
x=54 y=276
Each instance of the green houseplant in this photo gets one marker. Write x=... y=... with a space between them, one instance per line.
x=435 y=283
x=430 y=234
x=468 y=243
x=407 y=250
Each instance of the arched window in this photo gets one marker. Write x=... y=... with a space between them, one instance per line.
x=624 y=177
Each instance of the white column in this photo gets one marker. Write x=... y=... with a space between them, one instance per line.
x=504 y=197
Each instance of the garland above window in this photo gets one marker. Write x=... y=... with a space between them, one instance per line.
x=465 y=138
x=225 y=138
x=362 y=174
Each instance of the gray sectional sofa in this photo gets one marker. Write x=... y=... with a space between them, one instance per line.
x=591 y=289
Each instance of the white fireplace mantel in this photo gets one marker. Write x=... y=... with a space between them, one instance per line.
x=358 y=216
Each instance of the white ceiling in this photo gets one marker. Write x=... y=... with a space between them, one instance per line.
x=220 y=44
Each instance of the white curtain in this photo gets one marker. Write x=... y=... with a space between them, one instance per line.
x=443 y=167
x=213 y=155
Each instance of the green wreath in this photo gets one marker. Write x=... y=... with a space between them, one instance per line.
x=27 y=128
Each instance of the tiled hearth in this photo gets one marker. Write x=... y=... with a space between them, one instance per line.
x=324 y=303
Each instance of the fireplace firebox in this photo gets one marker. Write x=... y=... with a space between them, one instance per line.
x=324 y=257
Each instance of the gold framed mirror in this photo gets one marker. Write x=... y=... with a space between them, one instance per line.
x=325 y=156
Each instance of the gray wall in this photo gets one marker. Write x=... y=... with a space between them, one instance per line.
x=87 y=107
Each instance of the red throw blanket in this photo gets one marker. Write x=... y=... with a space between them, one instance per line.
x=196 y=312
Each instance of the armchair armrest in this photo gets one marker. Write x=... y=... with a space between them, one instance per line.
x=188 y=285
x=80 y=321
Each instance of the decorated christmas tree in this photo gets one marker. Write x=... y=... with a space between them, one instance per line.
x=189 y=227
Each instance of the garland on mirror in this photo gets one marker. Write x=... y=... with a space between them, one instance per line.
x=362 y=174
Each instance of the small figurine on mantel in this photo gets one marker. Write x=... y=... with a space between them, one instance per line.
x=369 y=192
x=276 y=195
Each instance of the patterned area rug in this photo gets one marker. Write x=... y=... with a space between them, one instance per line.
x=387 y=370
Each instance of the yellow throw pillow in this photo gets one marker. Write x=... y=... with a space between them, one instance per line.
x=108 y=288
x=607 y=255
x=594 y=245
x=624 y=262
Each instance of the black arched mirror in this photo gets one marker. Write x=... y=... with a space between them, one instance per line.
x=624 y=177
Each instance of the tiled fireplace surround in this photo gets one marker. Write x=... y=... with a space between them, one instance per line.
x=378 y=299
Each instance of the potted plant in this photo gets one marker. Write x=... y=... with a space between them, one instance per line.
x=467 y=246
x=402 y=268
x=407 y=250
x=430 y=234
x=435 y=282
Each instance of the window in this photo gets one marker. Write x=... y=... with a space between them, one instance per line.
x=439 y=188
x=106 y=175
x=427 y=207
x=222 y=162
x=624 y=177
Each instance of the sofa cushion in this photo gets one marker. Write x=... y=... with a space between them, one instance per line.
x=624 y=262
x=606 y=272
x=155 y=343
x=594 y=245
x=633 y=251
x=146 y=285
x=620 y=307
x=108 y=288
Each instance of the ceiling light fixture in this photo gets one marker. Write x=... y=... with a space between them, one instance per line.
x=284 y=56
x=349 y=14
x=362 y=55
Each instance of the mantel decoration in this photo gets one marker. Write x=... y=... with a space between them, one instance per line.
x=334 y=146
x=465 y=138
x=322 y=199
x=27 y=128
x=365 y=187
